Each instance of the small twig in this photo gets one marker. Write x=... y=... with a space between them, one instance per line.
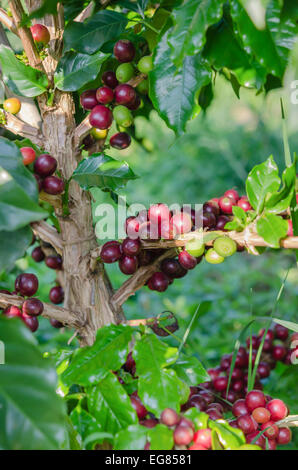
x=85 y=14
x=67 y=317
x=7 y=21
x=48 y=234
x=18 y=127
x=289 y=421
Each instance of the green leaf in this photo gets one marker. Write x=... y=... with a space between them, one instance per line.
x=151 y=354
x=89 y=37
x=75 y=70
x=272 y=228
x=230 y=438
x=173 y=90
x=13 y=246
x=33 y=416
x=262 y=179
x=281 y=200
x=132 y=438
x=103 y=172
x=239 y=221
x=161 y=438
x=84 y=423
x=20 y=78
x=110 y=405
x=199 y=418
x=138 y=6
x=91 y=364
x=75 y=440
x=190 y=370
x=191 y=21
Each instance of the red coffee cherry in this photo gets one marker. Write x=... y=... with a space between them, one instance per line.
x=124 y=50
x=30 y=322
x=284 y=436
x=255 y=399
x=203 y=438
x=28 y=154
x=183 y=435
x=54 y=262
x=38 y=255
x=271 y=429
x=261 y=415
x=131 y=246
x=104 y=95
x=40 y=33
x=26 y=284
x=169 y=417
x=53 y=185
x=239 y=408
x=277 y=409
x=45 y=165
x=247 y=424
x=111 y=252
x=139 y=407
x=12 y=312
x=56 y=295
x=88 y=99
x=124 y=94
x=32 y=307
x=101 y=117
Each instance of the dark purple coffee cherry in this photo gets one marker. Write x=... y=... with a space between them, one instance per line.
x=56 y=323
x=281 y=332
x=186 y=260
x=209 y=220
x=124 y=50
x=45 y=165
x=211 y=206
x=101 y=117
x=198 y=402
x=128 y=264
x=104 y=95
x=124 y=94
x=135 y=104
x=38 y=255
x=109 y=78
x=145 y=257
x=220 y=384
x=53 y=185
x=30 y=321
x=27 y=284
x=158 y=282
x=139 y=407
x=222 y=220
x=170 y=267
x=120 y=141
x=131 y=246
x=279 y=352
x=110 y=253
x=54 y=262
x=38 y=181
x=56 y=295
x=247 y=424
x=32 y=307
x=88 y=99
x=264 y=370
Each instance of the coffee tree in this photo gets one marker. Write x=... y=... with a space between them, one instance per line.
x=86 y=70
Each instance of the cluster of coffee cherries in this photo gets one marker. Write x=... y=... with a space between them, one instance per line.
x=43 y=168
x=116 y=98
x=160 y=223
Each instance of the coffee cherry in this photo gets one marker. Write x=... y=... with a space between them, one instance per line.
x=145 y=257
x=181 y=222
x=132 y=226
x=170 y=267
x=198 y=402
x=88 y=99
x=135 y=104
x=209 y=220
x=277 y=409
x=247 y=424
x=221 y=222
x=169 y=417
x=158 y=213
x=40 y=33
x=225 y=361
x=213 y=257
x=233 y=194
x=109 y=78
x=271 y=444
x=56 y=295
x=131 y=246
x=12 y=105
x=39 y=181
x=104 y=95
x=261 y=415
x=120 y=141
x=279 y=352
x=101 y=117
x=149 y=423
x=124 y=94
x=124 y=50
x=261 y=441
x=38 y=255
x=244 y=204
x=203 y=438
x=239 y=408
x=290 y=231
x=211 y=207
x=27 y=284
x=183 y=435
x=122 y=116
x=29 y=155
x=12 y=312
x=225 y=246
x=254 y=342
x=128 y=264
x=159 y=282
x=220 y=383
x=271 y=429
x=186 y=260
x=5 y=291
x=213 y=414
x=139 y=407
x=281 y=332
x=195 y=247
x=208 y=396
x=130 y=364
x=33 y=307
x=143 y=87
x=226 y=204
x=56 y=324
x=53 y=185
x=98 y=134
x=145 y=64
x=54 y=262
x=124 y=72
x=284 y=436
x=30 y=322
x=255 y=399
x=110 y=253
x=263 y=370
x=45 y=165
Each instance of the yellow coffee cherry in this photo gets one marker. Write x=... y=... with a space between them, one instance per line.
x=12 y=105
x=99 y=134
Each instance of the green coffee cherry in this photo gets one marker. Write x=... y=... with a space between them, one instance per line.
x=124 y=72
x=213 y=257
x=143 y=87
x=195 y=247
x=225 y=246
x=122 y=116
x=145 y=64
x=99 y=134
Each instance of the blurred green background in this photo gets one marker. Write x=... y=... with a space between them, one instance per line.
x=215 y=154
